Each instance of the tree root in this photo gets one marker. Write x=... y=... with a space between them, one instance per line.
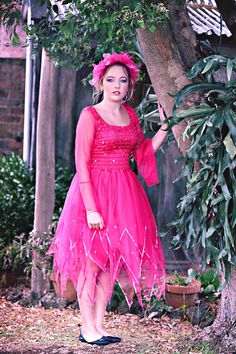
x=223 y=336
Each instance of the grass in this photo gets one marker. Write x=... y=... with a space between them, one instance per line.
x=201 y=348
x=4 y=334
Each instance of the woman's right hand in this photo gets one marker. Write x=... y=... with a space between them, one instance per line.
x=95 y=220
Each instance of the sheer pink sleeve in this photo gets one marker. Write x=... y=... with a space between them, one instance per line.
x=83 y=145
x=145 y=157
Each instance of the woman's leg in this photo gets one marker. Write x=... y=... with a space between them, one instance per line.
x=86 y=298
x=103 y=289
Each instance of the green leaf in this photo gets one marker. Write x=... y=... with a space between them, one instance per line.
x=227 y=271
x=215 y=253
x=196 y=69
x=141 y=24
x=229 y=145
x=201 y=110
x=203 y=236
x=233 y=260
x=229 y=69
x=234 y=212
x=217 y=200
x=210 y=231
x=223 y=253
x=152 y=28
x=15 y=39
x=209 y=289
x=208 y=66
x=230 y=121
x=227 y=231
x=191 y=88
x=231 y=83
x=225 y=190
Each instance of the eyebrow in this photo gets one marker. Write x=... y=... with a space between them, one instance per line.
x=113 y=77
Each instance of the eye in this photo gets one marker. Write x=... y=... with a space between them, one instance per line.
x=123 y=81
x=109 y=79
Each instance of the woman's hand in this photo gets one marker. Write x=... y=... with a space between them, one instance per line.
x=95 y=220
x=160 y=136
x=161 y=113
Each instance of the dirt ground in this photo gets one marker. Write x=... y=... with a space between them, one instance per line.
x=39 y=330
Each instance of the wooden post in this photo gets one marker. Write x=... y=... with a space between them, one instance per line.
x=45 y=163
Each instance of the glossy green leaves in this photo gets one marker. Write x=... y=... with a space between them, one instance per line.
x=87 y=29
x=207 y=212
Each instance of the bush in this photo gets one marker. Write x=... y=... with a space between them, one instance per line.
x=16 y=198
x=17 y=194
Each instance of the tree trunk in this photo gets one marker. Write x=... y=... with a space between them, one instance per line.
x=45 y=164
x=167 y=58
x=186 y=40
x=223 y=329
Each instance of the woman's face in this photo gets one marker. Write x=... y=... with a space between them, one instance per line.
x=115 y=83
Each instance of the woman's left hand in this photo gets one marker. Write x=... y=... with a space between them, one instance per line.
x=160 y=136
x=161 y=112
x=95 y=220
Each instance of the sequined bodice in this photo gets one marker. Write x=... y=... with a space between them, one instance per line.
x=112 y=144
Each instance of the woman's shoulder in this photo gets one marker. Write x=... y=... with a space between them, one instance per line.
x=86 y=115
x=87 y=111
x=131 y=111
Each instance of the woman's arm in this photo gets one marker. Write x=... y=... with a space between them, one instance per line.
x=83 y=146
x=144 y=151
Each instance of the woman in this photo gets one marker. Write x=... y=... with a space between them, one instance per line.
x=107 y=231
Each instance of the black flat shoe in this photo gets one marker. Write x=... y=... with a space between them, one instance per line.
x=101 y=341
x=113 y=339
x=81 y=338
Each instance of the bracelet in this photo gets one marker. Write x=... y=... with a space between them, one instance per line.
x=91 y=211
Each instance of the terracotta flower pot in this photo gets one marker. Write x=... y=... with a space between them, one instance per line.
x=182 y=295
x=69 y=292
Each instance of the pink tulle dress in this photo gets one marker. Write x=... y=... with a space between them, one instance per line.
x=128 y=247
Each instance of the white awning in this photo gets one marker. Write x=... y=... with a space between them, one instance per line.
x=205 y=18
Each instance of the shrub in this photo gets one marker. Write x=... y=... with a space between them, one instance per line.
x=16 y=198
x=17 y=194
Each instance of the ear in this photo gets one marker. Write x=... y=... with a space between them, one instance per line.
x=100 y=86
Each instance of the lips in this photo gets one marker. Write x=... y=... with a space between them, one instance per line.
x=116 y=93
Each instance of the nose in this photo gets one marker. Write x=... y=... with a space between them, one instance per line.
x=117 y=84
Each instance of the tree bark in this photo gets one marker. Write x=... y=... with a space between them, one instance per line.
x=183 y=34
x=224 y=327
x=45 y=164
x=227 y=9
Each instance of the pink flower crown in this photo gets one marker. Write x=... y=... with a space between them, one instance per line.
x=110 y=59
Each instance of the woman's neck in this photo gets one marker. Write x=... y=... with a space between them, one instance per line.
x=110 y=105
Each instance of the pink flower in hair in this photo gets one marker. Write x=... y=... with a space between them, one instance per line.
x=111 y=59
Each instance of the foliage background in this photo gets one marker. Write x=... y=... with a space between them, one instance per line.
x=206 y=217
x=17 y=194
